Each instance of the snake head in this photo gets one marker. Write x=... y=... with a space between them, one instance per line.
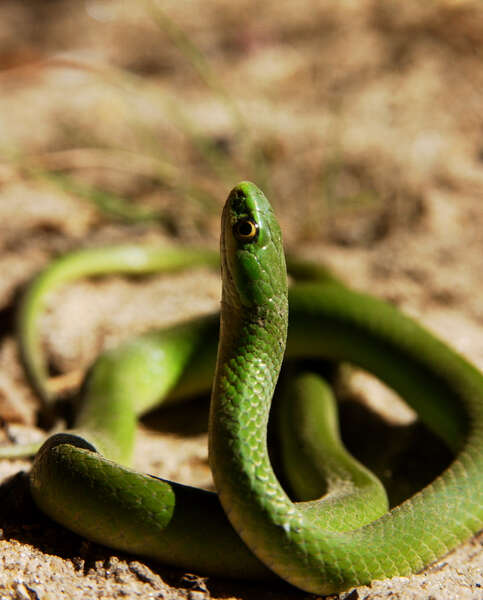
x=253 y=262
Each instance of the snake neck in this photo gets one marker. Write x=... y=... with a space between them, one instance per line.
x=249 y=359
x=250 y=353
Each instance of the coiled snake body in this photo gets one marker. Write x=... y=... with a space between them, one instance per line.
x=347 y=537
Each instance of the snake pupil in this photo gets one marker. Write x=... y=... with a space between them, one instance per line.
x=245 y=230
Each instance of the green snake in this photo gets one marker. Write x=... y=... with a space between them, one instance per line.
x=344 y=538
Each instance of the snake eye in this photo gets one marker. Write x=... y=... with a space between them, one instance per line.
x=245 y=230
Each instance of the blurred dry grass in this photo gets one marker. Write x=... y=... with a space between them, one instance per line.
x=347 y=113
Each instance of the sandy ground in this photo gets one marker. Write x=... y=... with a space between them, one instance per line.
x=361 y=120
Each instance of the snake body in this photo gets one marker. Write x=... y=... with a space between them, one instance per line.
x=309 y=544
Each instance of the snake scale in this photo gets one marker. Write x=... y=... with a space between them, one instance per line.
x=345 y=538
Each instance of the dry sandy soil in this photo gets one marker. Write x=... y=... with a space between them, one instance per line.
x=119 y=122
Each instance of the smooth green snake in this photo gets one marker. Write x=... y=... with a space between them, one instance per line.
x=346 y=538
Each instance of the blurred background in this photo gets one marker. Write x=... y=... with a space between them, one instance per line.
x=131 y=120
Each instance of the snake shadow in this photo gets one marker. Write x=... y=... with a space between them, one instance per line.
x=21 y=521
x=405 y=457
